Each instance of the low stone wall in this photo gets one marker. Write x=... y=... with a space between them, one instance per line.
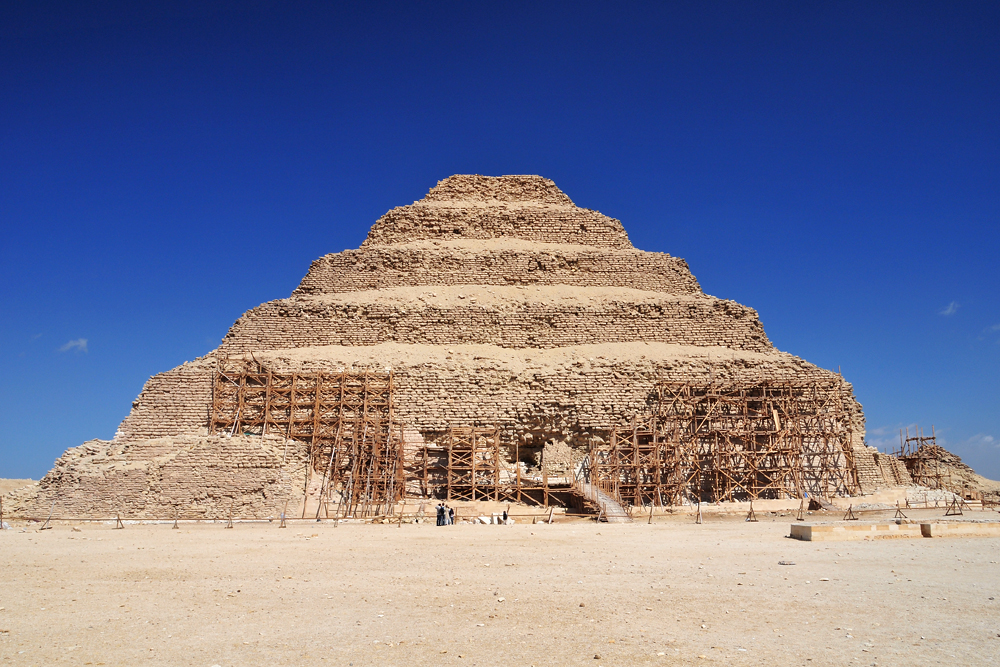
x=889 y=530
x=852 y=531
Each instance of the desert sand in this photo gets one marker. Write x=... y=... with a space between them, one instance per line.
x=577 y=593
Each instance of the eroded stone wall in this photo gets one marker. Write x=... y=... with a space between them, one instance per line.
x=201 y=477
x=490 y=189
x=381 y=267
x=879 y=471
x=545 y=224
x=173 y=402
x=577 y=399
x=678 y=320
x=583 y=393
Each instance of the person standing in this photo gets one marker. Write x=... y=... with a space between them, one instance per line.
x=451 y=516
x=440 y=514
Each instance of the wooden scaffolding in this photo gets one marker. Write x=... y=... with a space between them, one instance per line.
x=346 y=418
x=730 y=443
x=641 y=464
x=473 y=463
x=716 y=442
x=474 y=468
x=921 y=456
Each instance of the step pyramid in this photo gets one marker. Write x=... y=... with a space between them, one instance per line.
x=493 y=300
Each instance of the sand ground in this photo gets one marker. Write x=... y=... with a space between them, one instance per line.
x=578 y=593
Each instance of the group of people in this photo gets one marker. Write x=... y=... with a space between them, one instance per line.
x=446 y=515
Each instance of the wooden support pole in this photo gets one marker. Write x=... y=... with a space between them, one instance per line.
x=517 y=467
x=425 y=489
x=496 y=463
x=46 y=526
x=451 y=452
x=545 y=480
x=954 y=509
x=352 y=413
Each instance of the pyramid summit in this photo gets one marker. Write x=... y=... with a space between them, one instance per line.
x=487 y=189
x=478 y=239
x=494 y=322
x=485 y=207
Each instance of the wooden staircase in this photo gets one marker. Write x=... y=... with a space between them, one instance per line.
x=607 y=508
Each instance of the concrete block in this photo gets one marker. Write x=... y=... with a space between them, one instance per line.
x=835 y=532
x=961 y=529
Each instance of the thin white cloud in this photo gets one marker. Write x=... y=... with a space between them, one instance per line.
x=995 y=327
x=982 y=440
x=80 y=344
x=951 y=309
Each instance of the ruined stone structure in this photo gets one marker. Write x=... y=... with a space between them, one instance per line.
x=493 y=302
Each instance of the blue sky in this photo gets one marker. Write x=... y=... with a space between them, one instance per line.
x=164 y=167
